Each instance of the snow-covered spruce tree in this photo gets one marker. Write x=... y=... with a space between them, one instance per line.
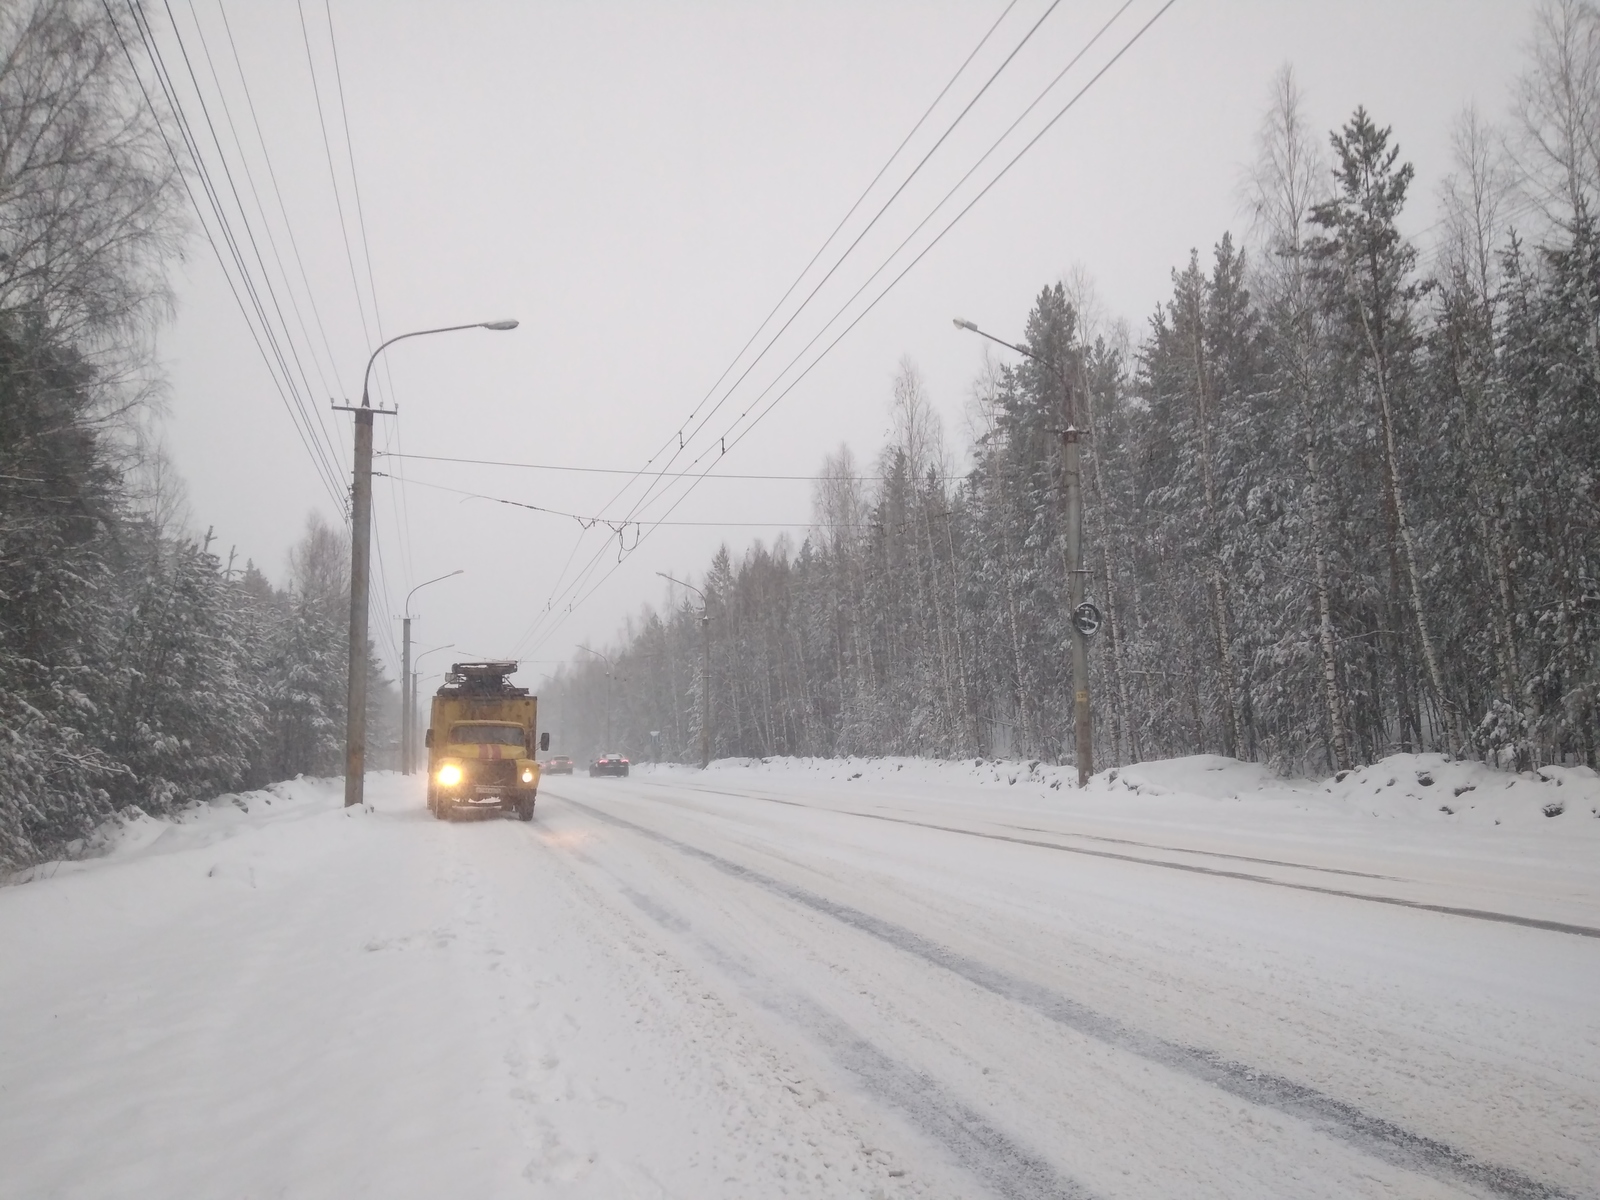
x=1201 y=383
x=1301 y=695
x=88 y=214
x=1552 y=369
x=1366 y=272
x=182 y=714
x=58 y=494
x=305 y=659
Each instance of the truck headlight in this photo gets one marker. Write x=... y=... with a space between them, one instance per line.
x=449 y=775
x=527 y=774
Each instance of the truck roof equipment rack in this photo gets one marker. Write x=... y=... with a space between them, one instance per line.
x=480 y=679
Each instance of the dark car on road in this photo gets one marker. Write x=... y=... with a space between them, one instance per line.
x=558 y=764
x=609 y=764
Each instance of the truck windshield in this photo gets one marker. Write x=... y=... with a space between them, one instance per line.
x=501 y=735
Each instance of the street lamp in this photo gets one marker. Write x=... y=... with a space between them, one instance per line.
x=1084 y=618
x=416 y=674
x=408 y=734
x=705 y=669
x=355 y=730
x=610 y=667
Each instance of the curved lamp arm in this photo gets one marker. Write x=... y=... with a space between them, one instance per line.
x=597 y=654
x=413 y=591
x=366 y=378
x=682 y=584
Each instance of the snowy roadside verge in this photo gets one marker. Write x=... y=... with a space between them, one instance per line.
x=1421 y=790
x=132 y=832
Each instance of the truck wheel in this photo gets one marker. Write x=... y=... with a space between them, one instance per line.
x=525 y=808
x=441 y=808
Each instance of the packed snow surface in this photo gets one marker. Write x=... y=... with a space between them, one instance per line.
x=876 y=978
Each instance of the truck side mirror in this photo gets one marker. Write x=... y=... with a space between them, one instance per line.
x=544 y=741
x=427 y=738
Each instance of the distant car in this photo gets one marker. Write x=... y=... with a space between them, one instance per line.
x=609 y=764
x=558 y=764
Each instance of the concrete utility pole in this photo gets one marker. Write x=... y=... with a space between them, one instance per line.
x=1082 y=618
x=411 y=713
x=705 y=669
x=407 y=698
x=1080 y=643
x=355 y=717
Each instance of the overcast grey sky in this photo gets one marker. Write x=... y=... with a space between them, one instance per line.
x=639 y=183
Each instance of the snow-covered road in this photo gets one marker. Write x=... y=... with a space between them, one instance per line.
x=820 y=979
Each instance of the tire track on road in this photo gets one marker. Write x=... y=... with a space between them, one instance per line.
x=1476 y=914
x=1089 y=837
x=1377 y=1136
x=985 y=1151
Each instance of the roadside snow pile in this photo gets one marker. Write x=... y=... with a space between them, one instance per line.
x=1432 y=786
x=1416 y=789
x=134 y=833
x=1210 y=776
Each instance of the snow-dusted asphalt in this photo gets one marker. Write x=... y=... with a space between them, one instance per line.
x=790 y=982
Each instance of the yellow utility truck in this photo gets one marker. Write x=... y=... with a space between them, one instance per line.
x=481 y=737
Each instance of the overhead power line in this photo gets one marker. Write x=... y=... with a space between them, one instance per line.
x=238 y=277
x=398 y=507
x=834 y=233
x=968 y=207
x=621 y=527
x=722 y=442
x=527 y=466
x=277 y=191
x=740 y=435
x=805 y=271
x=882 y=208
x=720 y=446
x=556 y=590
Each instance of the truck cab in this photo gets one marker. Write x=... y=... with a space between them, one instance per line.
x=482 y=735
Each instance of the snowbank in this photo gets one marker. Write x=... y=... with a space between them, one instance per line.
x=1418 y=790
x=134 y=833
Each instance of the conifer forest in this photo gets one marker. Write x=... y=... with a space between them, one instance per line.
x=139 y=663
x=1341 y=493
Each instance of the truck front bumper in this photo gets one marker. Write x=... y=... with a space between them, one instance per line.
x=486 y=799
